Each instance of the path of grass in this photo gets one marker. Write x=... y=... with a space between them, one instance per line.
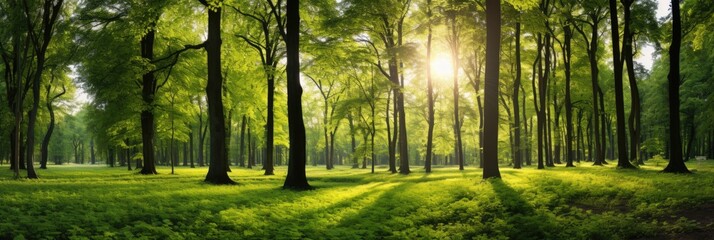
x=586 y=202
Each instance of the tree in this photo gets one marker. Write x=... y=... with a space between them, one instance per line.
x=430 y=92
x=217 y=171
x=676 y=160
x=622 y=156
x=388 y=28
x=454 y=42
x=516 y=88
x=267 y=44
x=567 y=56
x=44 y=148
x=593 y=16
x=493 y=43
x=296 y=178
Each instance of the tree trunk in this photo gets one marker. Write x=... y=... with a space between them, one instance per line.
x=569 y=156
x=44 y=148
x=594 y=71
x=480 y=121
x=202 y=130
x=190 y=147
x=603 y=126
x=635 y=117
x=353 y=155
x=147 y=115
x=403 y=143
x=392 y=135
x=676 y=161
x=217 y=172
x=539 y=101
x=269 y=128
x=241 y=157
x=251 y=146
x=517 y=158
x=493 y=43
x=454 y=45
x=185 y=154
x=622 y=157
x=296 y=178
x=92 y=156
x=527 y=133
x=228 y=138
x=430 y=93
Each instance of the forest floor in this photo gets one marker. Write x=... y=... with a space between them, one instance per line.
x=585 y=202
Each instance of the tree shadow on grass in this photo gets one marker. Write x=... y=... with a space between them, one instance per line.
x=376 y=220
x=526 y=222
x=299 y=215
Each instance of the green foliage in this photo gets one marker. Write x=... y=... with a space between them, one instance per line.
x=573 y=203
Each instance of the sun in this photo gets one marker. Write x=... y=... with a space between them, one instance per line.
x=441 y=68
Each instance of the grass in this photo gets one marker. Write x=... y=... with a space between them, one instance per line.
x=98 y=202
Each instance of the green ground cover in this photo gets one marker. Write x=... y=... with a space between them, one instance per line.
x=586 y=202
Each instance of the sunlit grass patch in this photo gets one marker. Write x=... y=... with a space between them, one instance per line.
x=585 y=202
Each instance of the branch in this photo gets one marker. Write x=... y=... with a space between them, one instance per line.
x=378 y=64
x=258 y=47
x=64 y=90
x=275 y=9
x=261 y=20
x=171 y=67
x=177 y=53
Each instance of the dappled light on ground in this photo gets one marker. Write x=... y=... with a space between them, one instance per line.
x=585 y=202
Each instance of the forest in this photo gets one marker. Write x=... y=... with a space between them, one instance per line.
x=478 y=119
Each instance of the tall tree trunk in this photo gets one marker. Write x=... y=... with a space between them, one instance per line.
x=202 y=130
x=603 y=126
x=353 y=155
x=539 y=101
x=241 y=157
x=190 y=147
x=50 y=12
x=676 y=161
x=454 y=45
x=430 y=93
x=567 y=53
x=403 y=143
x=296 y=178
x=392 y=134
x=217 y=172
x=251 y=146
x=493 y=44
x=148 y=130
x=270 y=128
x=228 y=128
x=527 y=133
x=622 y=157
x=517 y=160
x=594 y=71
x=185 y=154
x=92 y=156
x=627 y=52
x=44 y=148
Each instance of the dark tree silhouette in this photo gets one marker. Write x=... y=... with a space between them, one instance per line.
x=148 y=91
x=517 y=159
x=676 y=160
x=50 y=13
x=296 y=178
x=622 y=158
x=217 y=171
x=490 y=128
x=627 y=55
